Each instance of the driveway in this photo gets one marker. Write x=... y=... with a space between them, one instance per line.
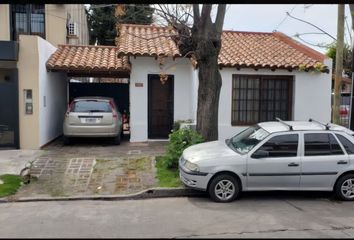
x=93 y=166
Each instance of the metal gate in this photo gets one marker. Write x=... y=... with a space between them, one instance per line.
x=9 y=123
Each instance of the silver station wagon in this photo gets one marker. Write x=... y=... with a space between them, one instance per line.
x=282 y=155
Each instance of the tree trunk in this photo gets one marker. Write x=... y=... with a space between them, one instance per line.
x=208 y=99
x=339 y=65
x=206 y=41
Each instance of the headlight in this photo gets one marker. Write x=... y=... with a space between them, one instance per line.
x=191 y=166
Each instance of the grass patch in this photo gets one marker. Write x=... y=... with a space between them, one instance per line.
x=10 y=185
x=167 y=177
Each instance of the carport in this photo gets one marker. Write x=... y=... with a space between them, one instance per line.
x=94 y=71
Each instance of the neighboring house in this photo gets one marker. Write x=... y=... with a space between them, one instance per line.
x=30 y=109
x=264 y=76
x=345 y=88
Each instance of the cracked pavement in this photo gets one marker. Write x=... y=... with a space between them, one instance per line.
x=255 y=215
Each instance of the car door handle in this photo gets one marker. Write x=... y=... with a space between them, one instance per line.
x=342 y=162
x=293 y=164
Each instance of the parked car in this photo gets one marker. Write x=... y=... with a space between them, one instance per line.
x=291 y=155
x=92 y=117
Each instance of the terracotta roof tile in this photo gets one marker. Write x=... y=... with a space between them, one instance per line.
x=146 y=40
x=78 y=58
x=239 y=49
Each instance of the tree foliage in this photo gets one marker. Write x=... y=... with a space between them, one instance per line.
x=347 y=57
x=102 y=21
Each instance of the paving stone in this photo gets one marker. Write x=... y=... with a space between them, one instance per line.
x=74 y=170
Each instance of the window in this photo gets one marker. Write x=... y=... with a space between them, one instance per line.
x=321 y=144
x=348 y=145
x=260 y=98
x=281 y=146
x=28 y=19
x=247 y=139
x=91 y=106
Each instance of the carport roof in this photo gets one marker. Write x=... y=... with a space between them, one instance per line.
x=88 y=60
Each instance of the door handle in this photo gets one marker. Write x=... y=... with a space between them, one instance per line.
x=293 y=164
x=342 y=162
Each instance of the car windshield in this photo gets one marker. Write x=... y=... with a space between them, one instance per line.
x=91 y=106
x=247 y=139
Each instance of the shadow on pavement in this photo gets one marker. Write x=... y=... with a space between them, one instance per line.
x=280 y=195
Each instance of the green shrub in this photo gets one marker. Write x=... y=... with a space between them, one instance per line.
x=179 y=140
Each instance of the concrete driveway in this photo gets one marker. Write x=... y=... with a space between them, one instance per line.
x=93 y=166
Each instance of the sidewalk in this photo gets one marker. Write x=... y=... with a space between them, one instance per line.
x=13 y=161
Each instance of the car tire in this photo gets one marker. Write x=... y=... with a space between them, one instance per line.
x=346 y=181
x=224 y=188
x=117 y=140
x=66 y=140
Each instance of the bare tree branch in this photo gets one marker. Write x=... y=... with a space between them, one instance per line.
x=311 y=25
x=220 y=17
x=206 y=10
x=196 y=13
x=309 y=33
x=312 y=44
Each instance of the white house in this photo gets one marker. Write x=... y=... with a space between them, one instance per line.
x=264 y=76
x=260 y=73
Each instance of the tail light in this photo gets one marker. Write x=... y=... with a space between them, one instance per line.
x=114 y=111
x=69 y=108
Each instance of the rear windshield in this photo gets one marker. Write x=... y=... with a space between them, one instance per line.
x=91 y=106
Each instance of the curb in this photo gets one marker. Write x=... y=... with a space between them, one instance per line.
x=145 y=194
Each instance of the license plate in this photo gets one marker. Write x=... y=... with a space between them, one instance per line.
x=90 y=120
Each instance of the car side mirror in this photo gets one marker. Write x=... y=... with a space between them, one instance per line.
x=260 y=154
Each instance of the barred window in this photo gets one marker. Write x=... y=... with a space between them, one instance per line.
x=259 y=98
x=28 y=19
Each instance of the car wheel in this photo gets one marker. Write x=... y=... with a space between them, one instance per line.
x=66 y=140
x=224 y=188
x=117 y=140
x=344 y=188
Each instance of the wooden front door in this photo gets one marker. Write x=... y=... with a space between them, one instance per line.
x=160 y=107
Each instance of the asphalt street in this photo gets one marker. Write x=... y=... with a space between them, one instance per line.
x=254 y=215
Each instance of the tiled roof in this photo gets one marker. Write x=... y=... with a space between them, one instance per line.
x=146 y=40
x=80 y=58
x=239 y=49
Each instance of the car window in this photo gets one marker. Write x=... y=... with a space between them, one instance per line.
x=335 y=147
x=247 y=139
x=348 y=145
x=317 y=144
x=91 y=106
x=281 y=146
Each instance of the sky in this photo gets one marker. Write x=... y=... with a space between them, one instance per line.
x=269 y=17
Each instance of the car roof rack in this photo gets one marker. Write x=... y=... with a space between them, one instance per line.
x=288 y=125
x=325 y=125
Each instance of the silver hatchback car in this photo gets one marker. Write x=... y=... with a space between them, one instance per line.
x=92 y=117
x=291 y=155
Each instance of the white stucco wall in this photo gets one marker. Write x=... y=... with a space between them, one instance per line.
x=52 y=88
x=183 y=85
x=311 y=96
x=311 y=99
